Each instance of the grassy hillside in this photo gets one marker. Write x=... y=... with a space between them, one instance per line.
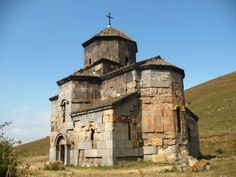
x=35 y=148
x=215 y=103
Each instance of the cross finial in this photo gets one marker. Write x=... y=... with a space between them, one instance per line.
x=109 y=18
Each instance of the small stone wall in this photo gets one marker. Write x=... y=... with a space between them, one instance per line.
x=94 y=138
x=193 y=138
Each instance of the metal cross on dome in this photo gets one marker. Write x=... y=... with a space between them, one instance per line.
x=109 y=18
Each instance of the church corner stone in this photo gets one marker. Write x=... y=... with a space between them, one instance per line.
x=117 y=109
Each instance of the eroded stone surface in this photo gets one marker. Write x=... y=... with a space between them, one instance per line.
x=115 y=109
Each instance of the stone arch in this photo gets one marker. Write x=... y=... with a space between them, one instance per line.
x=59 y=136
x=182 y=108
x=126 y=60
x=63 y=109
x=179 y=114
x=62 y=146
x=92 y=128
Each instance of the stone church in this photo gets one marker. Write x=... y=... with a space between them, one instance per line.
x=116 y=109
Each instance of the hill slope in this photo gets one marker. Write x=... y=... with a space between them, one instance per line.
x=35 y=148
x=215 y=103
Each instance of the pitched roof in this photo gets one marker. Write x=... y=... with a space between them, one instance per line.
x=157 y=60
x=151 y=63
x=101 y=104
x=189 y=112
x=108 y=32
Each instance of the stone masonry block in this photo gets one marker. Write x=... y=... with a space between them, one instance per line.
x=109 y=144
x=101 y=145
x=146 y=100
x=149 y=150
x=157 y=142
x=69 y=125
x=106 y=135
x=100 y=127
x=93 y=153
x=108 y=127
x=85 y=145
x=121 y=127
x=160 y=83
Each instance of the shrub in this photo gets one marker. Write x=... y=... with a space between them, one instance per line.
x=219 y=151
x=8 y=156
x=56 y=165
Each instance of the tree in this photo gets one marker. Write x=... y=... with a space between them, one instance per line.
x=8 y=156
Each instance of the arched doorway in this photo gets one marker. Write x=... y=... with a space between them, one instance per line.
x=62 y=149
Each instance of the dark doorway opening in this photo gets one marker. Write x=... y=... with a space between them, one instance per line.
x=178 y=112
x=62 y=153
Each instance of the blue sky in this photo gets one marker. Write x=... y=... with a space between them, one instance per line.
x=40 y=43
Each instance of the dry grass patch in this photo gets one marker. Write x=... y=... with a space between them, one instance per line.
x=221 y=166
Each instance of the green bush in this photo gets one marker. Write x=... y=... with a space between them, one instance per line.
x=8 y=156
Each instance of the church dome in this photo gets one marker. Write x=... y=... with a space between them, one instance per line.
x=110 y=44
x=108 y=32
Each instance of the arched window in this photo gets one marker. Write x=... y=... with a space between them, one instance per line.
x=126 y=60
x=94 y=145
x=92 y=134
x=63 y=109
x=90 y=61
x=178 y=113
x=129 y=131
x=189 y=135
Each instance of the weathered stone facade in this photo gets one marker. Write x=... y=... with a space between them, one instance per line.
x=117 y=109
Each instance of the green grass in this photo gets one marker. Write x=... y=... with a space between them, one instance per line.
x=215 y=103
x=218 y=144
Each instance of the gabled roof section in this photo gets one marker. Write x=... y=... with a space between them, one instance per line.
x=108 y=32
x=151 y=63
x=54 y=98
x=189 y=112
x=157 y=60
x=82 y=77
x=104 y=104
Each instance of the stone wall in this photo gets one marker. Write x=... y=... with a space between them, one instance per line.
x=127 y=52
x=85 y=91
x=127 y=131
x=161 y=92
x=119 y=85
x=145 y=126
x=193 y=138
x=54 y=127
x=115 y=50
x=94 y=138
x=60 y=117
x=103 y=68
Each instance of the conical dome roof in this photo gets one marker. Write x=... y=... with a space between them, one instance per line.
x=108 y=32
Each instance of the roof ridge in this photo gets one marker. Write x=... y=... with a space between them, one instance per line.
x=105 y=103
x=108 y=32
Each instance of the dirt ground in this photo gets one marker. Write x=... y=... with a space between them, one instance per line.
x=220 y=167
